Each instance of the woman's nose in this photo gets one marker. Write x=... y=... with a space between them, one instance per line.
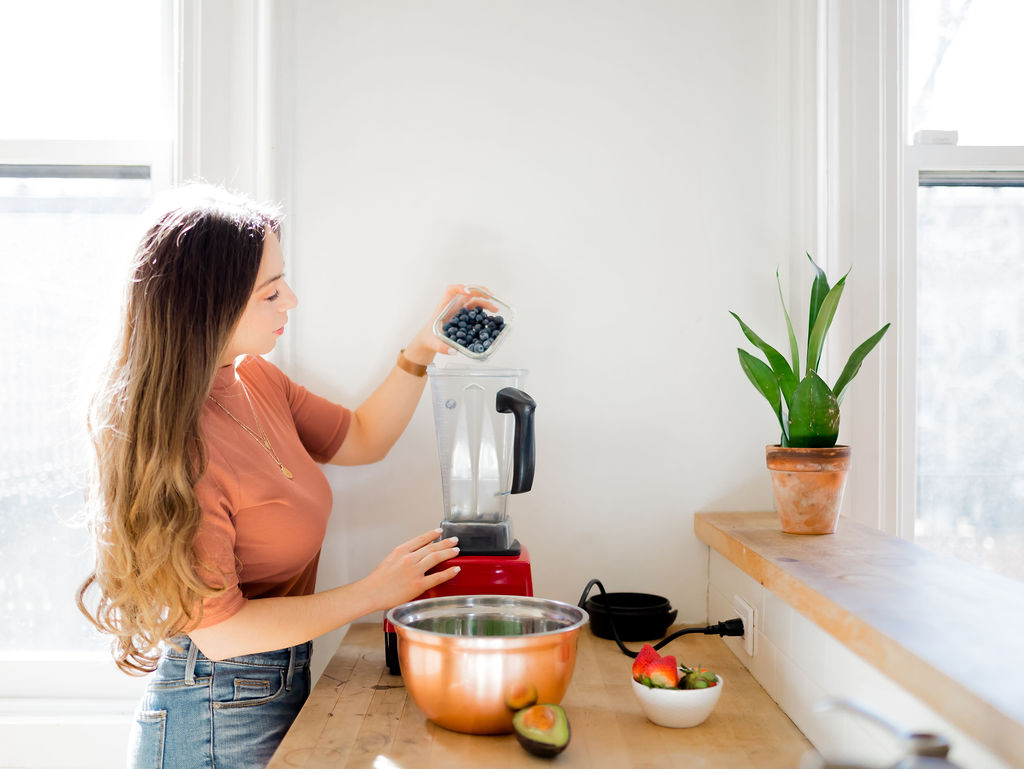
x=290 y=300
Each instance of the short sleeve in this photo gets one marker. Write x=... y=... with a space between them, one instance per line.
x=321 y=424
x=215 y=553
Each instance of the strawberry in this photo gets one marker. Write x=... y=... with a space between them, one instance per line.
x=642 y=663
x=663 y=673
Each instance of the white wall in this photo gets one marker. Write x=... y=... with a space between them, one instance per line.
x=623 y=174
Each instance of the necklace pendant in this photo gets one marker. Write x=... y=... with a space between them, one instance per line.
x=287 y=473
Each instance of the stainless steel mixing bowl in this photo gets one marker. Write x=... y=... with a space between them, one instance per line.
x=470 y=661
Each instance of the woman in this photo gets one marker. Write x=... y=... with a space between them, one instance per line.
x=207 y=505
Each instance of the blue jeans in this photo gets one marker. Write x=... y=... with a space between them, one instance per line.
x=200 y=714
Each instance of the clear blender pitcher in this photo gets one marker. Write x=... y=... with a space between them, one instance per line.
x=485 y=444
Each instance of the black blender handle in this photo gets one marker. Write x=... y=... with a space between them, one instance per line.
x=522 y=407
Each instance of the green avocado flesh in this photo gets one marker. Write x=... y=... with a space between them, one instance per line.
x=542 y=729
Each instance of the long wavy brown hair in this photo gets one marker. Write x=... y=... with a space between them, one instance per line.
x=191 y=278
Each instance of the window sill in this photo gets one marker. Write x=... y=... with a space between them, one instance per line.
x=927 y=622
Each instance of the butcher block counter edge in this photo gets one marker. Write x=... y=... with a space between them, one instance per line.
x=928 y=622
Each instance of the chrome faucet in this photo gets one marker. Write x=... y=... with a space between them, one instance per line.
x=921 y=750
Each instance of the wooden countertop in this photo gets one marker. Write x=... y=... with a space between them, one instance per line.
x=358 y=715
x=925 y=620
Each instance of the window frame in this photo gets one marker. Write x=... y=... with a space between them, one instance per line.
x=58 y=682
x=227 y=100
x=869 y=221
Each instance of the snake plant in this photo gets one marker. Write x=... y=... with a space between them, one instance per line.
x=807 y=408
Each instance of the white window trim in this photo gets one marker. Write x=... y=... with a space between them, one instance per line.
x=859 y=221
x=157 y=155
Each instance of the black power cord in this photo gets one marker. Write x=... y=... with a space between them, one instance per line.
x=729 y=627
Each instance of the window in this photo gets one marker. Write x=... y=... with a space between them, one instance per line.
x=86 y=136
x=964 y=221
x=69 y=230
x=962 y=54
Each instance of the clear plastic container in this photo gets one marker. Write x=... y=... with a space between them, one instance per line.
x=477 y=298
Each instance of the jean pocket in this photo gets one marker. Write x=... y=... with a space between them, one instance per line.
x=146 y=745
x=251 y=690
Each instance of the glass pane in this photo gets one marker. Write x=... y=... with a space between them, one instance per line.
x=67 y=244
x=85 y=70
x=965 y=61
x=970 y=375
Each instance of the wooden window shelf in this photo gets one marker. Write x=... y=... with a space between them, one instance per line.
x=945 y=631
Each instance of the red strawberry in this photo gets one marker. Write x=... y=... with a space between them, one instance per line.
x=642 y=664
x=664 y=674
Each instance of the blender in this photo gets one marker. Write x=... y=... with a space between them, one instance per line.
x=485 y=444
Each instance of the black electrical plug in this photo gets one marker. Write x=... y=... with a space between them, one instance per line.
x=733 y=627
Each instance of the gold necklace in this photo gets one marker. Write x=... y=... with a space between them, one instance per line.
x=262 y=438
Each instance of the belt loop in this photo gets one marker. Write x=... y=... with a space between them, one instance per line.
x=291 y=669
x=190 y=662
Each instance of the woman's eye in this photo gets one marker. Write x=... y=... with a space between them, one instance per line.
x=273 y=296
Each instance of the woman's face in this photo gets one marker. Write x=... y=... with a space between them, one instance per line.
x=262 y=323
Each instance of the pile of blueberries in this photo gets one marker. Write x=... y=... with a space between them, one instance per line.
x=474 y=329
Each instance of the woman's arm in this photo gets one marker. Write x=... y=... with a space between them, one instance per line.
x=382 y=418
x=267 y=624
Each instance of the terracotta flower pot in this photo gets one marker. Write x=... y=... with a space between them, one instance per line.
x=808 y=485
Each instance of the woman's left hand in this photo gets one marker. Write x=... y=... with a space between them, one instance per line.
x=426 y=344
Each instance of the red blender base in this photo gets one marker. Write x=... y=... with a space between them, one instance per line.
x=480 y=575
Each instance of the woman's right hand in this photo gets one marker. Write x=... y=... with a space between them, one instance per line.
x=402 y=575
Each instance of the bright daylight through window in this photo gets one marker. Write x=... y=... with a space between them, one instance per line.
x=970 y=279
x=77 y=145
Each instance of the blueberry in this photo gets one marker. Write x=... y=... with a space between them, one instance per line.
x=463 y=325
x=485 y=334
x=487 y=343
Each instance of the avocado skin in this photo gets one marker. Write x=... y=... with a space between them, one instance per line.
x=546 y=744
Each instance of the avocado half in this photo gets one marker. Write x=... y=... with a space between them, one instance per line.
x=542 y=729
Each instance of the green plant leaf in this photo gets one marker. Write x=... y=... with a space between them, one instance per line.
x=856 y=359
x=827 y=311
x=814 y=415
x=819 y=289
x=794 y=351
x=763 y=378
x=783 y=373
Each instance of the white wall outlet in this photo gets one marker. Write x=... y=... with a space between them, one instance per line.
x=746 y=613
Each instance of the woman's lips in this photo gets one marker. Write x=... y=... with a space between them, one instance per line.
x=280 y=331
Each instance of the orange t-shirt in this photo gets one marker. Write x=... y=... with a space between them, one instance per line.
x=260 y=533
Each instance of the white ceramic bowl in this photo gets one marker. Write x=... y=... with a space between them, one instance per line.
x=678 y=708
